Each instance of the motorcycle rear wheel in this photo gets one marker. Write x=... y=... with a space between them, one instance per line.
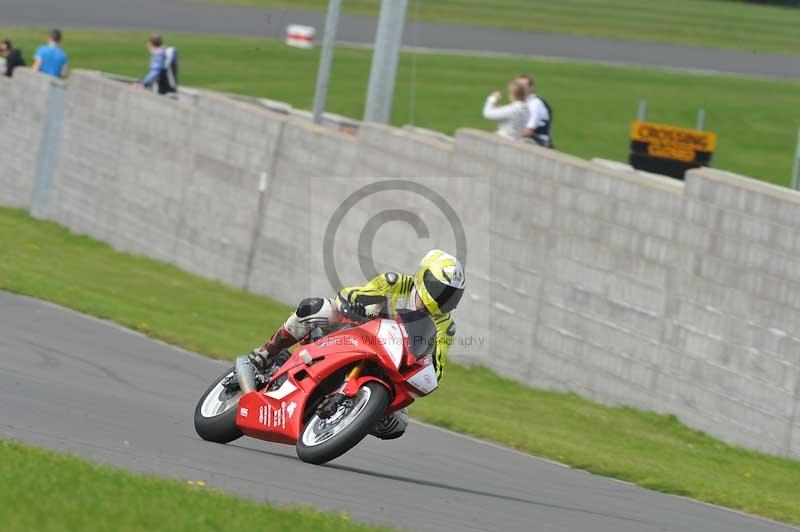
x=323 y=440
x=215 y=414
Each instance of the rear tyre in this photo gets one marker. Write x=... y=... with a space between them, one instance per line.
x=323 y=440
x=215 y=414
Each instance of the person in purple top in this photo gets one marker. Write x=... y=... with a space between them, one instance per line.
x=50 y=58
x=163 y=74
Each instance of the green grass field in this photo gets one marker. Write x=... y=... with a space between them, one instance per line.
x=732 y=24
x=756 y=120
x=51 y=492
x=652 y=450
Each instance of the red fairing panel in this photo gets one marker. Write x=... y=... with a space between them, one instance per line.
x=277 y=415
x=265 y=418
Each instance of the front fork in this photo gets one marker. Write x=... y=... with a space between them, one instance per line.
x=353 y=374
x=331 y=404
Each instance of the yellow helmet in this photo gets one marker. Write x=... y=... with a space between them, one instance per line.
x=439 y=282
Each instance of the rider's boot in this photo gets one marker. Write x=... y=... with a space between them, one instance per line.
x=264 y=357
x=392 y=426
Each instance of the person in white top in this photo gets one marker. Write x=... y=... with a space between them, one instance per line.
x=537 y=128
x=511 y=118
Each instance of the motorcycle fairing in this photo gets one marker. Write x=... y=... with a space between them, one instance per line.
x=277 y=415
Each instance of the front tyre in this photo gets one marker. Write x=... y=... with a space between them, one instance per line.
x=215 y=414
x=322 y=440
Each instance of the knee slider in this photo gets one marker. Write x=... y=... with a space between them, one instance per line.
x=309 y=306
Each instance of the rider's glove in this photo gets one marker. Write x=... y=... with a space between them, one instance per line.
x=354 y=311
x=259 y=358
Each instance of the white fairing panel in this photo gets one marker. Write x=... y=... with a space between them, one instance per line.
x=285 y=389
x=424 y=380
x=391 y=339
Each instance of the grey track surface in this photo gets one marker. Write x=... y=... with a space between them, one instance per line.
x=70 y=382
x=180 y=16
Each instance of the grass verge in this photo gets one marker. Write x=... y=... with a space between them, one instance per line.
x=756 y=120
x=44 y=260
x=735 y=24
x=82 y=496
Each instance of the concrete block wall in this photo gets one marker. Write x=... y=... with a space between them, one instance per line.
x=624 y=288
x=174 y=180
x=644 y=291
x=123 y=166
x=307 y=153
x=602 y=296
x=732 y=350
x=231 y=151
x=23 y=105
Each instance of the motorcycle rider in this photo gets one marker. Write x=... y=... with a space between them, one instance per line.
x=436 y=288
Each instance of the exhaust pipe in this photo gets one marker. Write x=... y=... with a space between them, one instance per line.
x=245 y=374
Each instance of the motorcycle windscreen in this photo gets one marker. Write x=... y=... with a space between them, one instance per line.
x=421 y=331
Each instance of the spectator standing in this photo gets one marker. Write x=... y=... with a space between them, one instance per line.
x=511 y=118
x=50 y=58
x=163 y=74
x=540 y=115
x=13 y=57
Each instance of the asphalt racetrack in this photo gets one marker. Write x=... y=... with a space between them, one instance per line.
x=74 y=383
x=191 y=17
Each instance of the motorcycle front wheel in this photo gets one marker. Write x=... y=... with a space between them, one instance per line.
x=215 y=414
x=322 y=440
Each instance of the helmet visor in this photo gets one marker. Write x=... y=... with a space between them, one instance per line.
x=446 y=296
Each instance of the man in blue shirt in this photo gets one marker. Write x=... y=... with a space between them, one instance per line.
x=51 y=59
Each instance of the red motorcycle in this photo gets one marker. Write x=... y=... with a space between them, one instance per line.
x=330 y=393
